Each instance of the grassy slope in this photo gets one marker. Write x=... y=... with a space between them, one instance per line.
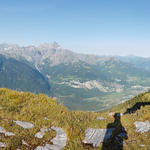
x=34 y=108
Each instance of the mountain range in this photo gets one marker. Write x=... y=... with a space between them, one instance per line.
x=17 y=75
x=79 y=81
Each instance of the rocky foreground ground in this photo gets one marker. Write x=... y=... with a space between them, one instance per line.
x=37 y=122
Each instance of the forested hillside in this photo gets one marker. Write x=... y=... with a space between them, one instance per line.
x=19 y=76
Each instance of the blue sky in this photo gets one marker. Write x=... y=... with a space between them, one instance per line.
x=112 y=27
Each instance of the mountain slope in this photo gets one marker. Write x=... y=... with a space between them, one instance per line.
x=139 y=62
x=17 y=75
x=44 y=112
x=83 y=82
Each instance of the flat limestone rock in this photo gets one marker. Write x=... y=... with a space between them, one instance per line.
x=41 y=148
x=141 y=145
x=3 y=131
x=100 y=118
x=142 y=126
x=54 y=147
x=59 y=142
x=61 y=137
x=25 y=125
x=24 y=143
x=46 y=118
x=2 y=144
x=96 y=136
x=41 y=133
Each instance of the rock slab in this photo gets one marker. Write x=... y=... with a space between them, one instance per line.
x=41 y=133
x=100 y=118
x=96 y=136
x=3 y=131
x=142 y=126
x=59 y=142
x=25 y=125
x=2 y=144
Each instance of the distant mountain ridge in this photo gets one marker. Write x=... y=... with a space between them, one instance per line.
x=17 y=75
x=139 y=62
x=53 y=51
x=79 y=81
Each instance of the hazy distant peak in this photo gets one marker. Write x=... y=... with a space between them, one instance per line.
x=4 y=46
x=53 y=45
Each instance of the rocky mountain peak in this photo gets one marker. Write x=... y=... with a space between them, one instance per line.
x=53 y=45
x=6 y=46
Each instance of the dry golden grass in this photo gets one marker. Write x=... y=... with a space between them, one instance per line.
x=33 y=108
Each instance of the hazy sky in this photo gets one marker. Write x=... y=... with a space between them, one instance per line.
x=89 y=26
